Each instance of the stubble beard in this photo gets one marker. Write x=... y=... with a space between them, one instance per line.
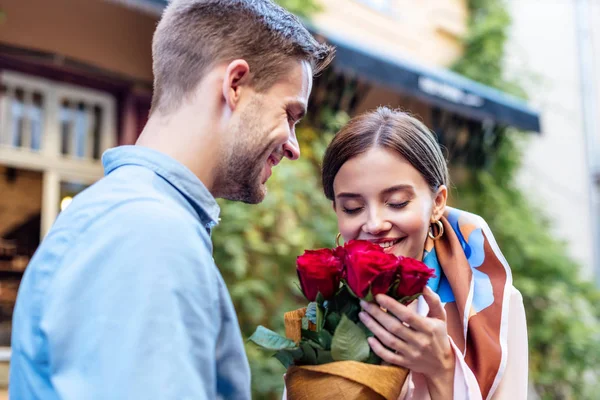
x=241 y=168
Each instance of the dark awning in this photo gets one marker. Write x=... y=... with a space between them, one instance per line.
x=443 y=88
x=439 y=87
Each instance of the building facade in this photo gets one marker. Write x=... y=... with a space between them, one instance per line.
x=555 y=46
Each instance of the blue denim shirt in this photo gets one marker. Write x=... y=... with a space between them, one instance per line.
x=123 y=300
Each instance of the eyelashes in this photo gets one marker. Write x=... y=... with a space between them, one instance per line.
x=396 y=206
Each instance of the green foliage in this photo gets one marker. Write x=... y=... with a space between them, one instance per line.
x=302 y=8
x=270 y=340
x=562 y=316
x=349 y=342
x=489 y=22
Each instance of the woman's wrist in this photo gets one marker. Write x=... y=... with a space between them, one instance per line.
x=441 y=383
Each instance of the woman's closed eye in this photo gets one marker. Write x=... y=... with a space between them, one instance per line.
x=352 y=210
x=397 y=205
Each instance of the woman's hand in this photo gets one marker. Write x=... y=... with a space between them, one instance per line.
x=421 y=344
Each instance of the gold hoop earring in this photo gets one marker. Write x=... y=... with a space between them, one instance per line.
x=337 y=239
x=440 y=230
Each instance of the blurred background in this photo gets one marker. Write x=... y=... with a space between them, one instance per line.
x=511 y=87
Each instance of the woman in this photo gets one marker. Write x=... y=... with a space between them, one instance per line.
x=466 y=338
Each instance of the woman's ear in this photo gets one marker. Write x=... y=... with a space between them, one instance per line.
x=439 y=203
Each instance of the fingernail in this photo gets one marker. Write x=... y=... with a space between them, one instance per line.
x=363 y=304
x=361 y=315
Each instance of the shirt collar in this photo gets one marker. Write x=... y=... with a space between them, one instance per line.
x=173 y=172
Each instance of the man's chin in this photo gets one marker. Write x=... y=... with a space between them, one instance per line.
x=250 y=196
x=260 y=195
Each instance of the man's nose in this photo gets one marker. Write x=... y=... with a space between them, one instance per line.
x=291 y=149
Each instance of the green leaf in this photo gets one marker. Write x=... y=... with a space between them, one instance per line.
x=323 y=338
x=350 y=290
x=267 y=339
x=320 y=299
x=332 y=321
x=373 y=359
x=351 y=310
x=369 y=297
x=309 y=356
x=324 y=357
x=311 y=312
x=366 y=330
x=406 y=300
x=287 y=357
x=320 y=318
x=349 y=342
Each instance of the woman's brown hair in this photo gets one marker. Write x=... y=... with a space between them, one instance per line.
x=390 y=129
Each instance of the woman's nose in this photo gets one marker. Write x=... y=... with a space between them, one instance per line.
x=376 y=225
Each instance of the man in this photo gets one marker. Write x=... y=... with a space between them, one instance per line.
x=122 y=299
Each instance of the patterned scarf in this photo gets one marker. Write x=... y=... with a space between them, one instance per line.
x=474 y=281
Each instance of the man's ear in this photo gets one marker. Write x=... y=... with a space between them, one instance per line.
x=439 y=203
x=236 y=75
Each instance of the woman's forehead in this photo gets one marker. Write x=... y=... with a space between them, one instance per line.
x=375 y=171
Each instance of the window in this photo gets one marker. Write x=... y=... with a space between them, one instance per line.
x=46 y=117
x=51 y=139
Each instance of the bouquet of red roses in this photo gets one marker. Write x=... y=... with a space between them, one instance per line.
x=326 y=341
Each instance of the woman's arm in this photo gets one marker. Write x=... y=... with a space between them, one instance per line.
x=514 y=383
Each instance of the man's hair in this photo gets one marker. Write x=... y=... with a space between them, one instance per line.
x=194 y=35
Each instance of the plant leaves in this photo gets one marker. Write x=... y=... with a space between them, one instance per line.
x=269 y=340
x=324 y=357
x=406 y=300
x=323 y=338
x=332 y=320
x=366 y=330
x=320 y=318
x=351 y=310
x=373 y=359
x=350 y=291
x=320 y=299
x=287 y=357
x=369 y=297
x=309 y=356
x=349 y=342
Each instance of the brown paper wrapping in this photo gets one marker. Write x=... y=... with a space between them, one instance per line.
x=346 y=380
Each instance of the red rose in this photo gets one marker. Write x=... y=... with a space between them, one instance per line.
x=414 y=276
x=368 y=266
x=319 y=271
